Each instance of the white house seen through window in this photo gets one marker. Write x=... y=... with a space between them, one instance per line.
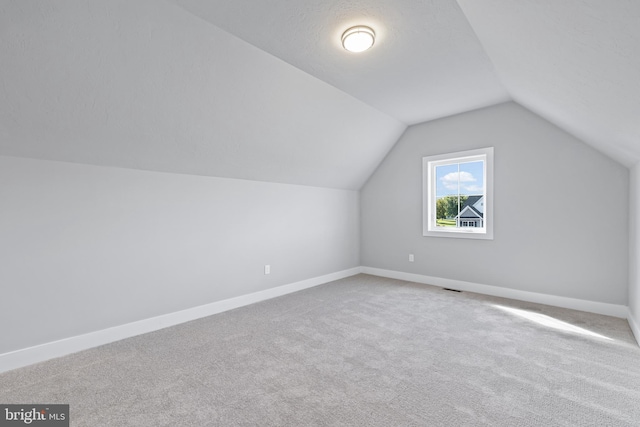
x=458 y=194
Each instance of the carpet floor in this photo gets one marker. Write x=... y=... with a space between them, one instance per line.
x=362 y=351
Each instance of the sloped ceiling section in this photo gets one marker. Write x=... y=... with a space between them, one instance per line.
x=427 y=62
x=262 y=90
x=574 y=62
x=144 y=84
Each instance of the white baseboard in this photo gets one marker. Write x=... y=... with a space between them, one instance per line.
x=635 y=326
x=40 y=353
x=615 y=310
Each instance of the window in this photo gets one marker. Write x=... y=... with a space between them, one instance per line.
x=458 y=194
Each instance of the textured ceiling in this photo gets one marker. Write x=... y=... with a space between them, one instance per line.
x=427 y=62
x=263 y=90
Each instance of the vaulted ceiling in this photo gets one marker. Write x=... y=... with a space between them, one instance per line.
x=263 y=90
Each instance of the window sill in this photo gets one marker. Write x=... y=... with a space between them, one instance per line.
x=460 y=234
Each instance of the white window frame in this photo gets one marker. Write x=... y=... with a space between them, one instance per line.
x=429 y=164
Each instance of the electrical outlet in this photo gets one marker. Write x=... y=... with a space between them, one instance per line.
x=267 y=269
x=410 y=257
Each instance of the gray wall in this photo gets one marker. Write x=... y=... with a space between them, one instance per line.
x=86 y=247
x=561 y=209
x=634 y=245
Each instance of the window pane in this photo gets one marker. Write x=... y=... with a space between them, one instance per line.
x=472 y=187
x=447 y=195
x=459 y=185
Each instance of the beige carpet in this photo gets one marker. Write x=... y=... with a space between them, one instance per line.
x=363 y=351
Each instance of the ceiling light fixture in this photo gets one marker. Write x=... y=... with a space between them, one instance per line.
x=358 y=39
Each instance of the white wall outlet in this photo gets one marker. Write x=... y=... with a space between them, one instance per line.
x=410 y=257
x=267 y=269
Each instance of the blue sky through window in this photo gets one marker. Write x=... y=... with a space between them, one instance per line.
x=465 y=177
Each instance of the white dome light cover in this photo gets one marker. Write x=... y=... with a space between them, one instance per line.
x=358 y=39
